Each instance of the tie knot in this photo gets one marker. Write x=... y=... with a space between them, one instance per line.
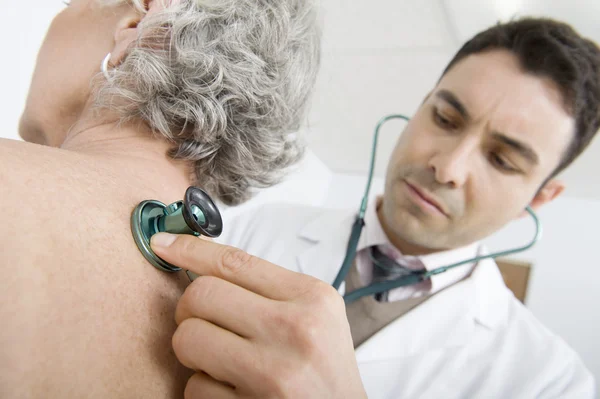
x=388 y=258
x=386 y=267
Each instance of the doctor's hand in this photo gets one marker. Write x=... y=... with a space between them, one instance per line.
x=252 y=329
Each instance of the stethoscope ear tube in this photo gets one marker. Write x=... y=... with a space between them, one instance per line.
x=350 y=253
x=414 y=278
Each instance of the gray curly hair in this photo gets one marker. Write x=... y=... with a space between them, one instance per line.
x=227 y=82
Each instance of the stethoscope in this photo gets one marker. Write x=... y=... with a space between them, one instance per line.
x=198 y=215
x=413 y=277
x=195 y=215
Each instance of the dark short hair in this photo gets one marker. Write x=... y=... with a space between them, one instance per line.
x=551 y=49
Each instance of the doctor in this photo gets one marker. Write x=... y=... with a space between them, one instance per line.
x=517 y=104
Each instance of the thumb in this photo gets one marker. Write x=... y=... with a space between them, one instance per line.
x=161 y=241
x=162 y=245
x=197 y=254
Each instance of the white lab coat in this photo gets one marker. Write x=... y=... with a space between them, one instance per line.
x=472 y=340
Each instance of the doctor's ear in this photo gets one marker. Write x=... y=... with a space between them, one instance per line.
x=547 y=193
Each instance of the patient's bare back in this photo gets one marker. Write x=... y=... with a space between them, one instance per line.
x=82 y=313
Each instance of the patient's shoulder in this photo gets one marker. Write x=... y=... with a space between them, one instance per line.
x=31 y=177
x=31 y=168
x=43 y=190
x=15 y=153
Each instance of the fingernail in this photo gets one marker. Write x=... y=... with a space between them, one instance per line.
x=162 y=240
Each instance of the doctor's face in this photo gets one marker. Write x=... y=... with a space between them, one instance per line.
x=475 y=154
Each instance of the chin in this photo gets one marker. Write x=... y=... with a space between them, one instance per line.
x=412 y=226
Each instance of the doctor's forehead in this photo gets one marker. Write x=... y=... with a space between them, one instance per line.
x=494 y=80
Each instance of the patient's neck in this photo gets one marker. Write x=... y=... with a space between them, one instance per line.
x=131 y=146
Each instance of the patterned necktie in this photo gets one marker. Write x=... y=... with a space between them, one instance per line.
x=384 y=269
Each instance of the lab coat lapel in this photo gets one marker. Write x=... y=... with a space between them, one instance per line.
x=443 y=321
x=329 y=234
x=447 y=320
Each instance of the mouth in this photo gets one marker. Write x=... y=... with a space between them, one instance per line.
x=425 y=199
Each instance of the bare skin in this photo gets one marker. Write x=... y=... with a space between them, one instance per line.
x=83 y=313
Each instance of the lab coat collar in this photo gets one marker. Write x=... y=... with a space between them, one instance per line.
x=329 y=231
x=491 y=293
x=479 y=300
x=325 y=222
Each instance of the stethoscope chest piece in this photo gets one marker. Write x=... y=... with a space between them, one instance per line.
x=195 y=215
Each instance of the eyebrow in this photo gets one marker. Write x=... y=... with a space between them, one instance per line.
x=451 y=99
x=523 y=149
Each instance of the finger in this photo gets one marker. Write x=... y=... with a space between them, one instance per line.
x=207 y=258
x=202 y=386
x=224 y=304
x=203 y=346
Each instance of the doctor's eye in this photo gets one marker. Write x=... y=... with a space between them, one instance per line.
x=442 y=121
x=501 y=163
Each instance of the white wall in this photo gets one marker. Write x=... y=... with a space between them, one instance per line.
x=563 y=291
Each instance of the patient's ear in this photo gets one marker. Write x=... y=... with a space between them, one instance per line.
x=549 y=192
x=127 y=30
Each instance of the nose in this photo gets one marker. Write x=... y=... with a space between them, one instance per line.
x=451 y=163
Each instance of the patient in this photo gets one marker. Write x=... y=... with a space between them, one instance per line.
x=194 y=92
